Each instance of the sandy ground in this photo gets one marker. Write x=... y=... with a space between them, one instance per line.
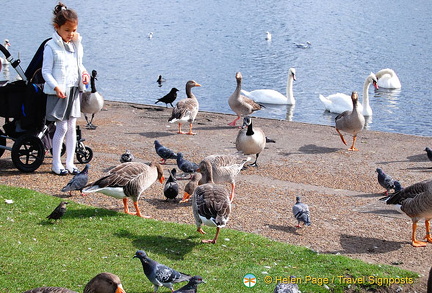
x=340 y=186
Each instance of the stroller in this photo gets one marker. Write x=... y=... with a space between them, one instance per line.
x=22 y=104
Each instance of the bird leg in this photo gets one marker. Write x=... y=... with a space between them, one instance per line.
x=414 y=241
x=232 y=192
x=186 y=197
x=126 y=208
x=254 y=164
x=213 y=241
x=190 y=130
x=353 y=148
x=138 y=212
x=179 y=129
x=200 y=230
x=341 y=136
x=428 y=236
x=163 y=161
x=233 y=123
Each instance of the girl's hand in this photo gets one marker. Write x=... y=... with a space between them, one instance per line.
x=60 y=94
x=85 y=77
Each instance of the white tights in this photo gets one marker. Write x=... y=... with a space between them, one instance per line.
x=64 y=129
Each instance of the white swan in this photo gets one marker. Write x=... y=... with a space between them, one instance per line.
x=388 y=79
x=338 y=103
x=267 y=96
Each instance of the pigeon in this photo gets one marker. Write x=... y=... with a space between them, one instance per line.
x=78 y=182
x=126 y=157
x=185 y=165
x=301 y=213
x=385 y=181
x=171 y=188
x=429 y=153
x=192 y=286
x=58 y=212
x=169 y=98
x=164 y=152
x=159 y=274
x=286 y=288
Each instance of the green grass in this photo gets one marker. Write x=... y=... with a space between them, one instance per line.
x=88 y=240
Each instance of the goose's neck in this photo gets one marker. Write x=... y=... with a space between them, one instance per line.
x=189 y=93
x=238 y=89
x=92 y=84
x=289 y=89
x=209 y=172
x=250 y=131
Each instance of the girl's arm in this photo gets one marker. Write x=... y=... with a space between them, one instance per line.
x=47 y=66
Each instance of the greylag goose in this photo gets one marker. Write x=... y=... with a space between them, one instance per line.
x=186 y=110
x=159 y=274
x=190 y=186
x=91 y=102
x=240 y=104
x=388 y=79
x=171 y=187
x=416 y=203
x=338 y=103
x=351 y=122
x=164 y=152
x=301 y=213
x=192 y=286
x=58 y=212
x=78 y=182
x=211 y=205
x=128 y=180
x=250 y=141
x=224 y=169
x=169 y=97
x=385 y=180
x=101 y=283
x=268 y=96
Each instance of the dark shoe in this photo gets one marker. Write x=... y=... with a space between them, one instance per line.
x=74 y=171
x=61 y=172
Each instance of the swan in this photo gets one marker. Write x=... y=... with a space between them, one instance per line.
x=267 y=96
x=388 y=79
x=303 y=46
x=338 y=103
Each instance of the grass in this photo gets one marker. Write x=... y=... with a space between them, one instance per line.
x=88 y=240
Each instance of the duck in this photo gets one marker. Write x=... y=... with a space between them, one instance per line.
x=101 y=283
x=388 y=79
x=169 y=97
x=91 y=102
x=6 y=44
x=268 y=96
x=190 y=187
x=211 y=206
x=225 y=168
x=240 y=104
x=416 y=202
x=186 y=110
x=171 y=188
x=351 y=122
x=128 y=180
x=338 y=103
x=250 y=141
x=301 y=213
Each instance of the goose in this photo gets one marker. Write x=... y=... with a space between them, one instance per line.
x=6 y=44
x=91 y=102
x=101 y=283
x=351 y=122
x=388 y=79
x=338 y=103
x=224 y=169
x=211 y=206
x=186 y=109
x=251 y=140
x=240 y=104
x=416 y=203
x=268 y=96
x=128 y=180
x=190 y=186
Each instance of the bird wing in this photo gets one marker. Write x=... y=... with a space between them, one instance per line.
x=212 y=202
x=301 y=212
x=166 y=274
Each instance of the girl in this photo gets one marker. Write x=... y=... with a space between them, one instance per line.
x=64 y=76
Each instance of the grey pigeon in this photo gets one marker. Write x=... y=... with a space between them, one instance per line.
x=78 y=182
x=301 y=213
x=169 y=98
x=159 y=274
x=58 y=212
x=386 y=181
x=171 y=188
x=185 y=165
x=192 y=286
x=429 y=153
x=164 y=152
x=126 y=157
x=286 y=288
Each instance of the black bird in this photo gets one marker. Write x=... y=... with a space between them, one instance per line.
x=58 y=212
x=160 y=79
x=385 y=181
x=78 y=182
x=192 y=286
x=164 y=152
x=185 y=165
x=126 y=157
x=169 y=98
x=159 y=274
x=429 y=153
x=171 y=187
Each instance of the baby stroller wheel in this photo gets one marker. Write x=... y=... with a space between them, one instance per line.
x=28 y=153
x=63 y=150
x=84 y=155
x=2 y=143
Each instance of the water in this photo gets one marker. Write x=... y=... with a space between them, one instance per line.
x=209 y=41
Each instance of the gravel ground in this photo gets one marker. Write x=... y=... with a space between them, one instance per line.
x=340 y=186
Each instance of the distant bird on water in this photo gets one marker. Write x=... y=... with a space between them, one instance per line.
x=91 y=102
x=160 y=79
x=192 y=286
x=301 y=213
x=159 y=274
x=78 y=182
x=58 y=212
x=164 y=152
x=169 y=98
x=386 y=181
x=171 y=188
x=268 y=36
x=304 y=46
x=126 y=157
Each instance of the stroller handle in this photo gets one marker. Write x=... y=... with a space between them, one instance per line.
x=15 y=63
